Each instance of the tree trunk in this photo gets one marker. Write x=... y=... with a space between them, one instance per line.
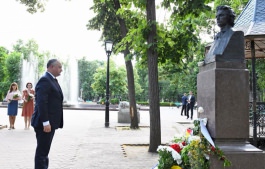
x=130 y=75
x=155 y=128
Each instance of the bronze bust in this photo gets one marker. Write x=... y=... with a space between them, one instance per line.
x=228 y=45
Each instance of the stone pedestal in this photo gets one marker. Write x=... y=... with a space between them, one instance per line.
x=223 y=92
x=223 y=89
x=242 y=155
x=124 y=113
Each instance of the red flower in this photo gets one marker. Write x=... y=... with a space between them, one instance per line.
x=212 y=148
x=183 y=143
x=176 y=147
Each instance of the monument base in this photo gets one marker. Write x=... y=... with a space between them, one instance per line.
x=242 y=155
x=124 y=113
x=223 y=90
x=124 y=116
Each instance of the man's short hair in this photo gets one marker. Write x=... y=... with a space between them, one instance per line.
x=231 y=13
x=51 y=62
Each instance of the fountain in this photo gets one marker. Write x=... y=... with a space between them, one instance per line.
x=68 y=79
x=29 y=74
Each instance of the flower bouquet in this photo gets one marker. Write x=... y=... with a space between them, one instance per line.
x=30 y=96
x=15 y=96
x=190 y=151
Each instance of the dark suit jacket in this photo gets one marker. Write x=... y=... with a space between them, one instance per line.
x=184 y=100
x=192 y=101
x=49 y=103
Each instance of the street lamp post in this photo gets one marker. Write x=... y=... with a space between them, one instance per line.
x=108 y=49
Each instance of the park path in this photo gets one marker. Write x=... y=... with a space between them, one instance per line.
x=84 y=142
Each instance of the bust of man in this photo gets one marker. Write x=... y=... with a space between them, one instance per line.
x=228 y=45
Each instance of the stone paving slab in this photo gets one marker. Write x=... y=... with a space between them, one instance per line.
x=84 y=142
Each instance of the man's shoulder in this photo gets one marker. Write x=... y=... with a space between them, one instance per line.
x=44 y=79
x=46 y=76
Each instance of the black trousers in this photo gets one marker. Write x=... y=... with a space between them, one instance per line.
x=184 y=107
x=44 y=141
x=190 y=108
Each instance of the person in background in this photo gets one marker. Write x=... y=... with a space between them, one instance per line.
x=48 y=112
x=28 y=105
x=184 y=103
x=12 y=97
x=190 y=105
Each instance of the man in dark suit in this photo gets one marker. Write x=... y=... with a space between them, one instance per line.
x=48 y=112
x=190 y=104
x=184 y=104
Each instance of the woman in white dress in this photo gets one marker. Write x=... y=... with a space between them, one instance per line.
x=12 y=97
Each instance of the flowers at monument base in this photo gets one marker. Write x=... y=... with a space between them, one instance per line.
x=176 y=167
x=191 y=151
x=200 y=110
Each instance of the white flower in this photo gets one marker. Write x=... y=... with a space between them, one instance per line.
x=180 y=145
x=207 y=156
x=193 y=138
x=200 y=63
x=200 y=110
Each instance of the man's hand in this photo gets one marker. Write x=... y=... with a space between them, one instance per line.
x=47 y=128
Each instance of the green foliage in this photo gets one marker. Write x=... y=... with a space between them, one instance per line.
x=86 y=70
x=161 y=103
x=3 y=72
x=13 y=66
x=196 y=129
x=178 y=43
x=34 y=5
x=117 y=80
x=114 y=101
x=143 y=103
x=102 y=101
x=236 y=5
x=30 y=48
x=167 y=104
x=166 y=161
x=260 y=69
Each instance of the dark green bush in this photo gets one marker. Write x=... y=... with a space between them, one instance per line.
x=102 y=101
x=114 y=101
x=167 y=104
x=161 y=103
x=142 y=103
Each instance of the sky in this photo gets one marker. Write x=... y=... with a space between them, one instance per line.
x=60 y=29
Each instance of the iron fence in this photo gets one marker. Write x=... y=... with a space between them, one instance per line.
x=259 y=131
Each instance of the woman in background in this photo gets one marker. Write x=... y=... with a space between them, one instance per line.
x=12 y=97
x=28 y=105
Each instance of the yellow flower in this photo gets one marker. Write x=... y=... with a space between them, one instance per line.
x=176 y=167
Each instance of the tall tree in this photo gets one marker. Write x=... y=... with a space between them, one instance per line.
x=129 y=68
x=13 y=65
x=3 y=72
x=155 y=126
x=106 y=12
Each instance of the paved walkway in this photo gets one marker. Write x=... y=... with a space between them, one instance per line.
x=84 y=142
